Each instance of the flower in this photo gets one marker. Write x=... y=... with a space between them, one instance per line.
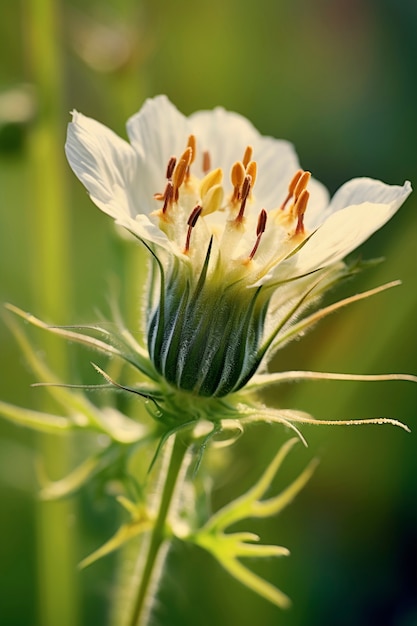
x=243 y=240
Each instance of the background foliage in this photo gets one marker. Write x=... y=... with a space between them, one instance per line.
x=339 y=80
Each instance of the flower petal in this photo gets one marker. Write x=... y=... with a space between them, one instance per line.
x=111 y=171
x=226 y=135
x=347 y=228
x=157 y=132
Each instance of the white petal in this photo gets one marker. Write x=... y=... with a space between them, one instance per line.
x=277 y=164
x=226 y=135
x=348 y=227
x=317 y=205
x=110 y=170
x=157 y=132
x=360 y=190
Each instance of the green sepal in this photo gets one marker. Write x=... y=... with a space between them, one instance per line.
x=204 y=339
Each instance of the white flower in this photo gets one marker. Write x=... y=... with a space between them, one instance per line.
x=244 y=238
x=123 y=178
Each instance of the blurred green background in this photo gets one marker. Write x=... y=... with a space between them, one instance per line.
x=338 y=79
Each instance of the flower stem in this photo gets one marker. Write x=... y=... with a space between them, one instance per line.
x=150 y=566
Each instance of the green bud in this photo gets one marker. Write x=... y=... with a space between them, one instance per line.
x=205 y=338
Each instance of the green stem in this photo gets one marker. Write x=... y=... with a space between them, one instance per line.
x=150 y=570
x=50 y=265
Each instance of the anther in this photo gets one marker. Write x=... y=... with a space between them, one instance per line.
x=291 y=188
x=170 y=167
x=260 y=229
x=206 y=161
x=238 y=176
x=252 y=170
x=301 y=184
x=168 y=195
x=247 y=156
x=299 y=209
x=191 y=222
x=191 y=143
x=215 y=177
x=213 y=199
x=244 y=196
x=180 y=171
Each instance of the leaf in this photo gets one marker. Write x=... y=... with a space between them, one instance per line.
x=36 y=420
x=140 y=524
x=53 y=490
x=142 y=364
x=227 y=548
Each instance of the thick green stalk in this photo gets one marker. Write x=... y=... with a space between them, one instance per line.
x=149 y=565
x=50 y=280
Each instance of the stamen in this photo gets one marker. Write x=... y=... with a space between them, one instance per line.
x=291 y=188
x=206 y=161
x=170 y=167
x=252 y=170
x=191 y=143
x=244 y=196
x=169 y=171
x=180 y=171
x=247 y=156
x=168 y=195
x=213 y=199
x=301 y=184
x=191 y=222
x=215 y=177
x=260 y=229
x=238 y=176
x=300 y=208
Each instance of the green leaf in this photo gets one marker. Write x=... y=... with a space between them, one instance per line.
x=52 y=490
x=36 y=420
x=228 y=548
x=140 y=523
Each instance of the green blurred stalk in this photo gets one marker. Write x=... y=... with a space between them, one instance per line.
x=50 y=279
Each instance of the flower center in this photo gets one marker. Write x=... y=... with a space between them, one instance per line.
x=194 y=209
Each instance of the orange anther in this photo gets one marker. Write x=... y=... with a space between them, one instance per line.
x=206 y=161
x=247 y=156
x=291 y=188
x=294 y=181
x=299 y=209
x=237 y=176
x=181 y=170
x=191 y=143
x=252 y=170
x=244 y=196
x=301 y=184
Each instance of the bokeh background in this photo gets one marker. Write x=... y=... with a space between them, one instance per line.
x=338 y=78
